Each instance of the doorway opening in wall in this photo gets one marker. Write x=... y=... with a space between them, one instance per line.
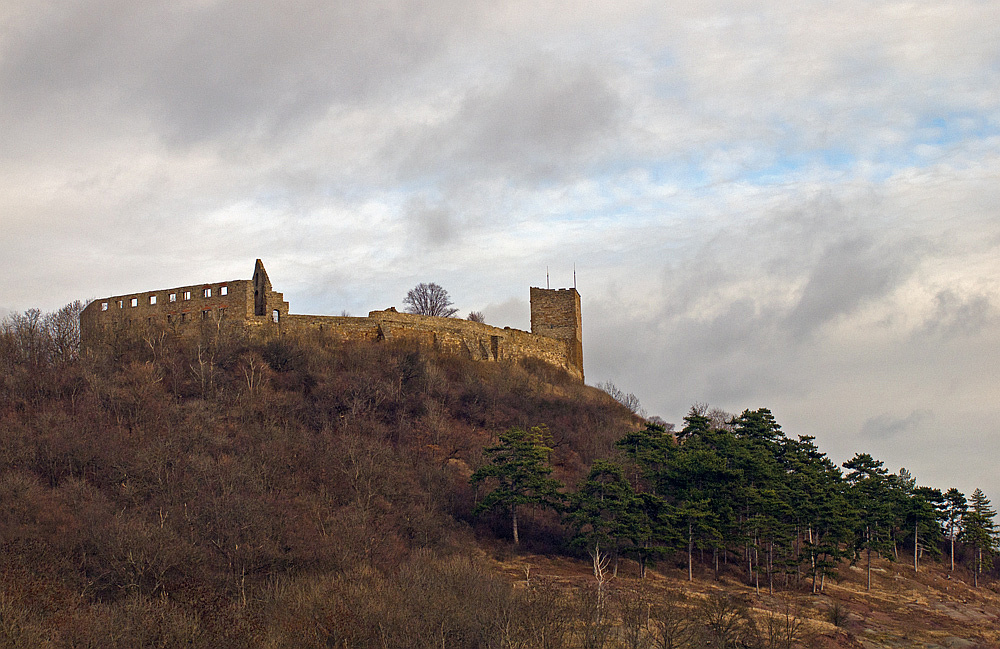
x=275 y=315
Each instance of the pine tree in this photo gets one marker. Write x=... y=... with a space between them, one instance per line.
x=518 y=466
x=980 y=531
x=955 y=510
x=820 y=513
x=599 y=509
x=924 y=513
x=869 y=494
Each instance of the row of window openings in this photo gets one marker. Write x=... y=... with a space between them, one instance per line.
x=185 y=295
x=205 y=315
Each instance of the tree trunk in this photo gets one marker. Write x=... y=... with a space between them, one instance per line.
x=770 y=566
x=869 y=569
x=690 y=551
x=513 y=515
x=953 y=552
x=915 y=545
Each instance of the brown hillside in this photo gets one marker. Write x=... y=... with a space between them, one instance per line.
x=301 y=493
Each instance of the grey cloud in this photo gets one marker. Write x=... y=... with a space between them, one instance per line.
x=547 y=119
x=955 y=315
x=432 y=224
x=850 y=273
x=234 y=68
x=513 y=312
x=885 y=426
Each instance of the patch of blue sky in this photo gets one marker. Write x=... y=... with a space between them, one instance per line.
x=932 y=140
x=641 y=174
x=944 y=130
x=791 y=167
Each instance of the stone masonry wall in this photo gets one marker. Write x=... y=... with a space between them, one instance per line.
x=556 y=336
x=555 y=313
x=174 y=308
x=462 y=338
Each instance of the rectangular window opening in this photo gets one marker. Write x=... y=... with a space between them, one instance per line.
x=275 y=315
x=187 y=295
x=184 y=317
x=152 y=299
x=104 y=306
x=134 y=301
x=223 y=290
x=205 y=314
x=173 y=297
x=207 y=292
x=121 y=304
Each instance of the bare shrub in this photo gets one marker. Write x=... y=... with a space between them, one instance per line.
x=633 y=606
x=838 y=614
x=671 y=624
x=727 y=622
x=545 y=618
x=594 y=629
x=781 y=629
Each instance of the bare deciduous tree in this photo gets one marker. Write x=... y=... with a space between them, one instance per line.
x=628 y=400
x=477 y=316
x=429 y=299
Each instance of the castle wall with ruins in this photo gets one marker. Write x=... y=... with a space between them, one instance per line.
x=556 y=335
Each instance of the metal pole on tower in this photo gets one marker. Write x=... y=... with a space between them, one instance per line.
x=546 y=277
x=574 y=276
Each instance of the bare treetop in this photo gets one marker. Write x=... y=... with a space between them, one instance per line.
x=429 y=299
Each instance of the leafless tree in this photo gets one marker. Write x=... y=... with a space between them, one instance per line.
x=477 y=316
x=429 y=299
x=628 y=400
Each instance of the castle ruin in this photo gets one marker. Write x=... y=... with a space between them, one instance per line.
x=556 y=328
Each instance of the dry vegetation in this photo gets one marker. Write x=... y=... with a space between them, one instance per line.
x=218 y=492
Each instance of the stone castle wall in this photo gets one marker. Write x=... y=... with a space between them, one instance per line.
x=556 y=335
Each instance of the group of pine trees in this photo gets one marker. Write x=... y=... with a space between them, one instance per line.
x=739 y=491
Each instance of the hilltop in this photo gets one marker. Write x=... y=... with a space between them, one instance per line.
x=220 y=491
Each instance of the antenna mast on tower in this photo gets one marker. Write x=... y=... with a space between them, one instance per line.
x=546 y=277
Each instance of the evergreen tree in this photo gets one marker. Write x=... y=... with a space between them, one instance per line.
x=650 y=451
x=518 y=466
x=924 y=513
x=600 y=511
x=869 y=494
x=980 y=531
x=821 y=514
x=762 y=490
x=701 y=486
x=651 y=528
x=955 y=509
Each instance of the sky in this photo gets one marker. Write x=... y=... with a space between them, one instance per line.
x=781 y=204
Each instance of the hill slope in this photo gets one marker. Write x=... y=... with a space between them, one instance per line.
x=294 y=493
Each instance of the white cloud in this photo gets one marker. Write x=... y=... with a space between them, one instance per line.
x=777 y=204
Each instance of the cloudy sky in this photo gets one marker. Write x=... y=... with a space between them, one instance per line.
x=783 y=204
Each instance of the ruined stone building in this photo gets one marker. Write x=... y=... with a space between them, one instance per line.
x=556 y=329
